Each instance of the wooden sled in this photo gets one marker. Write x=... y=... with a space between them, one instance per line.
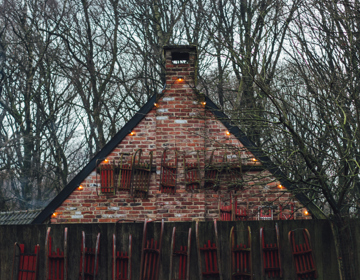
x=121 y=262
x=270 y=256
x=89 y=260
x=27 y=268
x=303 y=256
x=183 y=258
x=150 y=255
x=241 y=267
x=168 y=173
x=211 y=254
x=55 y=262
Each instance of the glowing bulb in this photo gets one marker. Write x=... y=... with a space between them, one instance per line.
x=180 y=79
x=306 y=212
x=53 y=215
x=132 y=133
x=155 y=104
x=106 y=160
x=280 y=187
x=228 y=133
x=254 y=159
x=80 y=187
x=203 y=103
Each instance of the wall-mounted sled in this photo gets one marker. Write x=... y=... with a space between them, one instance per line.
x=150 y=255
x=55 y=262
x=303 y=256
x=210 y=252
x=181 y=257
x=27 y=264
x=121 y=262
x=270 y=256
x=89 y=260
x=241 y=268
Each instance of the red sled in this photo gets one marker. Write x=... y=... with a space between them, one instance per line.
x=89 y=260
x=303 y=256
x=55 y=262
x=241 y=268
x=27 y=268
x=181 y=257
x=150 y=255
x=211 y=255
x=121 y=262
x=270 y=256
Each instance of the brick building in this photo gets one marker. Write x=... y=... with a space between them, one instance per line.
x=178 y=158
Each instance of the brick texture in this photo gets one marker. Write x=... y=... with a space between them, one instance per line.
x=179 y=121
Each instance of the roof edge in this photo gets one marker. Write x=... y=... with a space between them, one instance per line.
x=81 y=176
x=264 y=159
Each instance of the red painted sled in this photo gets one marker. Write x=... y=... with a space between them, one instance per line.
x=150 y=255
x=55 y=262
x=27 y=268
x=121 y=262
x=210 y=252
x=89 y=260
x=270 y=256
x=168 y=173
x=241 y=267
x=303 y=256
x=182 y=256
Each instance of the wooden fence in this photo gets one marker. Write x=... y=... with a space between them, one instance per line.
x=322 y=243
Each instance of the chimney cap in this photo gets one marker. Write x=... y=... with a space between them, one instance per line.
x=176 y=47
x=181 y=48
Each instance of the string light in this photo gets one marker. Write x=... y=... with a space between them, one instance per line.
x=254 y=159
x=280 y=187
x=132 y=133
x=80 y=187
x=53 y=215
x=228 y=133
x=180 y=79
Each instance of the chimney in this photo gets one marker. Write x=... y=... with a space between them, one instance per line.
x=181 y=65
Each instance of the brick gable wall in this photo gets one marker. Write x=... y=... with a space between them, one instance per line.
x=179 y=121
